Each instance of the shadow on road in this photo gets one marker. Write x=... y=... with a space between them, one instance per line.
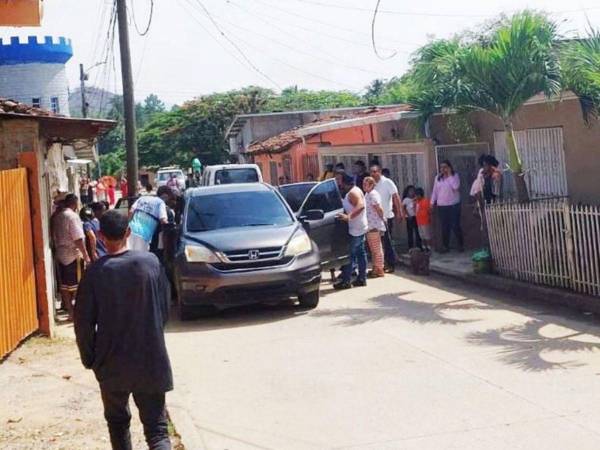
x=522 y=345
x=396 y=306
x=527 y=346
x=243 y=316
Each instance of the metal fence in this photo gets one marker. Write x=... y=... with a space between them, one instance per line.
x=549 y=242
x=18 y=308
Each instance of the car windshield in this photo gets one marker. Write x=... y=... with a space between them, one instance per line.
x=236 y=209
x=230 y=176
x=165 y=176
x=295 y=194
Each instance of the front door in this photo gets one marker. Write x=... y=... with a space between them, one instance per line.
x=273 y=173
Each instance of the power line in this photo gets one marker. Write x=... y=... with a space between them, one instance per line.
x=387 y=11
x=264 y=75
x=225 y=48
x=331 y=60
x=373 y=34
x=328 y=24
x=147 y=29
x=423 y=14
x=285 y=63
x=313 y=31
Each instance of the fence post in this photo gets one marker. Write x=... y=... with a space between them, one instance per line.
x=570 y=245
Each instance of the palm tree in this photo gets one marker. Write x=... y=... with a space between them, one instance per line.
x=580 y=62
x=497 y=74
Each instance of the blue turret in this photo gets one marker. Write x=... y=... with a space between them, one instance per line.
x=34 y=72
x=49 y=51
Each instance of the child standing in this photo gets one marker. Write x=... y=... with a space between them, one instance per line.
x=408 y=202
x=423 y=217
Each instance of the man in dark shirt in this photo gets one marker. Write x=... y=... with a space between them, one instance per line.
x=122 y=307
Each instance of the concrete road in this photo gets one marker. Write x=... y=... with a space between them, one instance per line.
x=407 y=363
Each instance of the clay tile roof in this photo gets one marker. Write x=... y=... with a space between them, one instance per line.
x=283 y=141
x=12 y=106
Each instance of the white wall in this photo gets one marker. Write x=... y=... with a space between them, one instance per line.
x=23 y=82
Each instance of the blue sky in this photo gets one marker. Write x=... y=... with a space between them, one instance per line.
x=318 y=44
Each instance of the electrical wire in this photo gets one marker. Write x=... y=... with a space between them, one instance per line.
x=327 y=24
x=151 y=15
x=214 y=38
x=236 y=46
x=330 y=60
x=285 y=63
x=373 y=35
x=423 y=14
x=312 y=30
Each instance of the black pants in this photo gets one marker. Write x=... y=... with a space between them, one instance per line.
x=413 y=232
x=389 y=254
x=152 y=414
x=450 y=220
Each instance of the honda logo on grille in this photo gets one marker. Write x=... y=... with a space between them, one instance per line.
x=253 y=255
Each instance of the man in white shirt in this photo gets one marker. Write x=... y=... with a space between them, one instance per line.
x=390 y=201
x=145 y=216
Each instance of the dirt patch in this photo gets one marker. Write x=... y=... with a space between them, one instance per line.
x=49 y=401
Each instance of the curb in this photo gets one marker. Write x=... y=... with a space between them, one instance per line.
x=542 y=294
x=187 y=431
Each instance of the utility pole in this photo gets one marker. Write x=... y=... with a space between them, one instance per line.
x=82 y=78
x=128 y=100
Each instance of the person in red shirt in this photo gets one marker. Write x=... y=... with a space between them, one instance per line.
x=124 y=188
x=110 y=191
x=423 y=214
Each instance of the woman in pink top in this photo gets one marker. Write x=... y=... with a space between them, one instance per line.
x=446 y=196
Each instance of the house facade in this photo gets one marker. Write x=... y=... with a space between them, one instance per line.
x=247 y=129
x=37 y=146
x=560 y=152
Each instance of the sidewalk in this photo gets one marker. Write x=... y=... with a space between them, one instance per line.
x=50 y=401
x=460 y=266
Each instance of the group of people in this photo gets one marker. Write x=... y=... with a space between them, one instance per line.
x=372 y=205
x=101 y=190
x=119 y=300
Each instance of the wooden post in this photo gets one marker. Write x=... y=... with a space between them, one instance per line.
x=28 y=160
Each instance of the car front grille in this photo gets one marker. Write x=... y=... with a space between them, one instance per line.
x=254 y=255
x=253 y=265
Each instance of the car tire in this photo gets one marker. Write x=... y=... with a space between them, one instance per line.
x=185 y=312
x=310 y=300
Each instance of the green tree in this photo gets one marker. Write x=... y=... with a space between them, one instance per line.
x=292 y=99
x=580 y=63
x=197 y=128
x=497 y=74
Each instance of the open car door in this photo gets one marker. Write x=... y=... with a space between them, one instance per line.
x=330 y=234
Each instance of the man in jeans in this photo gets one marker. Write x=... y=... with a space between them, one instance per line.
x=356 y=216
x=390 y=201
x=122 y=307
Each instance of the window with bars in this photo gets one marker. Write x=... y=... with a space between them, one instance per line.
x=406 y=169
x=36 y=102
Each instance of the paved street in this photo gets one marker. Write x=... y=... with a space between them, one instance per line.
x=404 y=364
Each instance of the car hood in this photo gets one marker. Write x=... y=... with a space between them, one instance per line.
x=242 y=238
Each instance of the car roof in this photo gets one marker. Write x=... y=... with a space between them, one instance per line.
x=170 y=169
x=232 y=166
x=302 y=183
x=228 y=189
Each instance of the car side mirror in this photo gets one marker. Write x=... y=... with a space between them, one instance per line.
x=313 y=214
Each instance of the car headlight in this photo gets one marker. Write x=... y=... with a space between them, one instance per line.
x=200 y=254
x=299 y=245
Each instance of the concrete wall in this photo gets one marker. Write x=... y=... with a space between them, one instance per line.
x=16 y=136
x=23 y=82
x=582 y=142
